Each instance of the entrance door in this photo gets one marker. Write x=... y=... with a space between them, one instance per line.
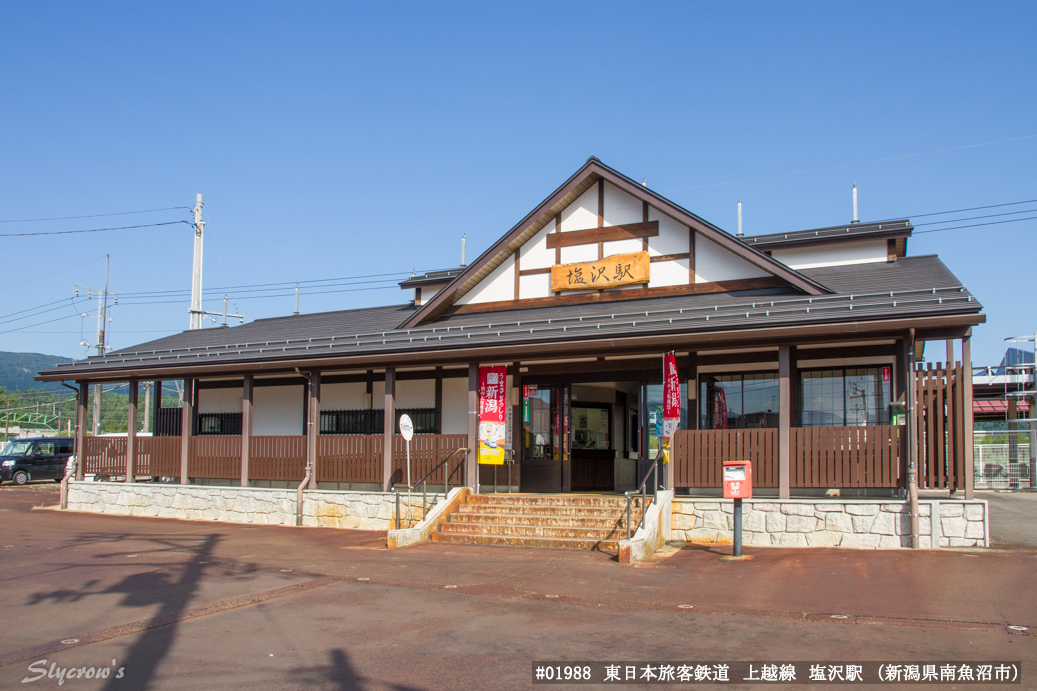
x=545 y=452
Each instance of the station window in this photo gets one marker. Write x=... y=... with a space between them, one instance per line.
x=738 y=401
x=845 y=397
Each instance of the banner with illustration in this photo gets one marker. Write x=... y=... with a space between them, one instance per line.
x=671 y=396
x=492 y=414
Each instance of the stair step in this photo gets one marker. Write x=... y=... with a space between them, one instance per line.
x=551 y=510
x=482 y=539
x=558 y=521
x=567 y=532
x=568 y=500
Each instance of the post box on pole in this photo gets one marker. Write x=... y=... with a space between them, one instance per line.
x=738 y=485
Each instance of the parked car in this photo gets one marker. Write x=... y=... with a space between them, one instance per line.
x=22 y=460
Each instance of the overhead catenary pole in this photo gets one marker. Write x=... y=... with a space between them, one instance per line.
x=196 y=277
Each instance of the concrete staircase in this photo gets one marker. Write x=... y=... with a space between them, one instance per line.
x=582 y=521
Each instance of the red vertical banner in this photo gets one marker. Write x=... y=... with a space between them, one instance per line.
x=671 y=396
x=492 y=414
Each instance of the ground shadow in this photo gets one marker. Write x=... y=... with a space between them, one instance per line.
x=341 y=673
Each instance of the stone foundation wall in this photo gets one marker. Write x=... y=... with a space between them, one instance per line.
x=859 y=523
x=332 y=509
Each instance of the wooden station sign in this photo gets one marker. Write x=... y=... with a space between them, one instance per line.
x=610 y=272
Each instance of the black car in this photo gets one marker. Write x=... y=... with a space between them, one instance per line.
x=22 y=460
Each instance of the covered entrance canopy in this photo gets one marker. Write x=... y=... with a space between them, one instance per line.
x=796 y=351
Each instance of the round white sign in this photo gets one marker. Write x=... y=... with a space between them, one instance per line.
x=406 y=427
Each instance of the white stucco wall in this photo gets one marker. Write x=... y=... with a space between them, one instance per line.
x=842 y=254
x=534 y=254
x=714 y=263
x=620 y=207
x=535 y=286
x=673 y=237
x=455 y=406
x=582 y=213
x=415 y=393
x=499 y=285
x=278 y=410
x=349 y=396
x=670 y=273
x=219 y=400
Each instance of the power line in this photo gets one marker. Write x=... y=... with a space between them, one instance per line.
x=850 y=165
x=40 y=278
x=959 y=211
x=119 y=213
x=977 y=225
x=975 y=218
x=91 y=230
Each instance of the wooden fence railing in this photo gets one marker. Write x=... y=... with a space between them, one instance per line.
x=426 y=450
x=939 y=397
x=699 y=455
x=845 y=457
x=214 y=458
x=340 y=458
x=349 y=458
x=281 y=458
x=157 y=457
x=105 y=455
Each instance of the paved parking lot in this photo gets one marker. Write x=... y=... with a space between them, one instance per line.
x=184 y=605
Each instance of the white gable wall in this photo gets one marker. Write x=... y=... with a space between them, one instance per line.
x=620 y=207
x=534 y=254
x=499 y=285
x=535 y=286
x=714 y=263
x=841 y=254
x=673 y=237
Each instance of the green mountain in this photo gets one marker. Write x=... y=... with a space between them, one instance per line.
x=18 y=369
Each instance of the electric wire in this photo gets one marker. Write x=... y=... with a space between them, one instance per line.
x=91 y=230
x=119 y=213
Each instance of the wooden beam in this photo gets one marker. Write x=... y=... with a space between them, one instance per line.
x=669 y=257
x=966 y=365
x=784 y=423
x=601 y=215
x=388 y=428
x=439 y=400
x=533 y=272
x=628 y=294
x=246 y=426
x=629 y=231
x=186 y=428
x=472 y=479
x=691 y=256
x=313 y=425
x=131 y=429
x=518 y=273
x=82 y=401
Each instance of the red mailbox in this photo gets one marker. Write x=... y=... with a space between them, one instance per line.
x=738 y=480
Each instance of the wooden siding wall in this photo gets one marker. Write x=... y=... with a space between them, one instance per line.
x=699 y=455
x=847 y=457
x=940 y=419
x=426 y=450
x=157 y=457
x=280 y=458
x=214 y=458
x=349 y=458
x=105 y=455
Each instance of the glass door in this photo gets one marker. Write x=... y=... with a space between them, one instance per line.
x=544 y=429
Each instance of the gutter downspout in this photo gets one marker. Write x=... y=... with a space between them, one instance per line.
x=912 y=442
x=298 y=496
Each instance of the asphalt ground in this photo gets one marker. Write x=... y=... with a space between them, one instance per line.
x=1013 y=517
x=200 y=605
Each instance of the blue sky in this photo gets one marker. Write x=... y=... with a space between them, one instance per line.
x=347 y=140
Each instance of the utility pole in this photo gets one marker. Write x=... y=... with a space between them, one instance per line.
x=196 y=277
x=196 y=311
x=102 y=321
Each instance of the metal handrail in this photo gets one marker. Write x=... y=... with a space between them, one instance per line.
x=424 y=483
x=642 y=489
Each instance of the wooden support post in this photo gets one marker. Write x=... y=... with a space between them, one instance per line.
x=313 y=425
x=156 y=407
x=82 y=401
x=388 y=428
x=247 y=397
x=950 y=353
x=472 y=480
x=693 y=391
x=439 y=400
x=784 y=423
x=186 y=428
x=131 y=430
